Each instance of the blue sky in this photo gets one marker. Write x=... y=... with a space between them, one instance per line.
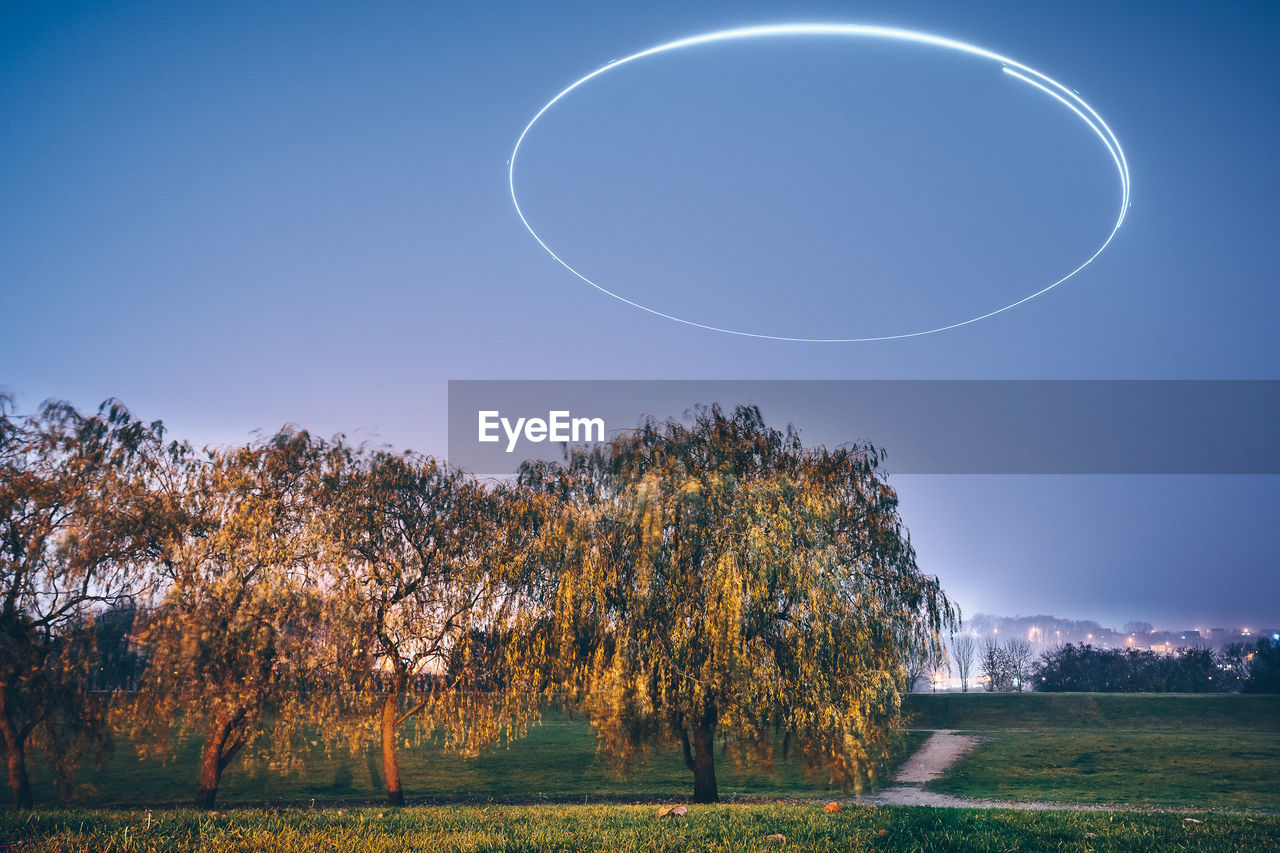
x=234 y=216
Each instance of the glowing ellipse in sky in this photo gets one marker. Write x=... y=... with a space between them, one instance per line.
x=1067 y=97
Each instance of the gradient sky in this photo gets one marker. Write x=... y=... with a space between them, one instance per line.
x=233 y=216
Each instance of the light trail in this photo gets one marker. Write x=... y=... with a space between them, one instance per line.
x=1025 y=73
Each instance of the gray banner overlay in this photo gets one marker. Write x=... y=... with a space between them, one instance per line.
x=925 y=426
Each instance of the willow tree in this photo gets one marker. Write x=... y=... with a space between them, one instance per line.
x=231 y=635
x=429 y=576
x=719 y=583
x=72 y=496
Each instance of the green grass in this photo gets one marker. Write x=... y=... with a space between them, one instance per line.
x=1211 y=752
x=1234 y=770
x=1219 y=752
x=1174 y=711
x=632 y=828
x=558 y=760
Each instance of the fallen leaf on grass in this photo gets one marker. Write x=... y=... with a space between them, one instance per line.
x=1190 y=820
x=672 y=811
x=777 y=838
x=883 y=832
x=831 y=807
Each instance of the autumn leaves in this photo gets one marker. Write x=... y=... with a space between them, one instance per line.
x=707 y=586
x=719 y=585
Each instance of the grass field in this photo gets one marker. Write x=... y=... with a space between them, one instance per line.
x=1156 y=711
x=1219 y=752
x=633 y=828
x=558 y=761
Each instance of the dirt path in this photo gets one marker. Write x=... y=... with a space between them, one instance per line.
x=943 y=748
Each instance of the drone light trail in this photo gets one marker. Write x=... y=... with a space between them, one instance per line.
x=1060 y=93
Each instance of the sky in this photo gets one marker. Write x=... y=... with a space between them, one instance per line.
x=233 y=216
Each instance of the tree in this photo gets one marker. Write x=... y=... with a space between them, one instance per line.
x=963 y=649
x=924 y=663
x=428 y=573
x=994 y=663
x=915 y=665
x=939 y=664
x=1018 y=656
x=1264 y=667
x=721 y=583
x=230 y=638
x=71 y=492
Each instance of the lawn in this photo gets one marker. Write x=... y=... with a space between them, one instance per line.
x=557 y=761
x=1232 y=770
x=1220 y=752
x=1155 y=711
x=1210 y=752
x=632 y=828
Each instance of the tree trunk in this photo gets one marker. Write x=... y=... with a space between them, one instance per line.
x=390 y=765
x=704 y=765
x=210 y=771
x=700 y=758
x=19 y=781
x=219 y=749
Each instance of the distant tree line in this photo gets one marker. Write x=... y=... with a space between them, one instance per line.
x=709 y=586
x=1085 y=668
x=1010 y=665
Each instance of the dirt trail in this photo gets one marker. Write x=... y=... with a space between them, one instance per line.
x=943 y=748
